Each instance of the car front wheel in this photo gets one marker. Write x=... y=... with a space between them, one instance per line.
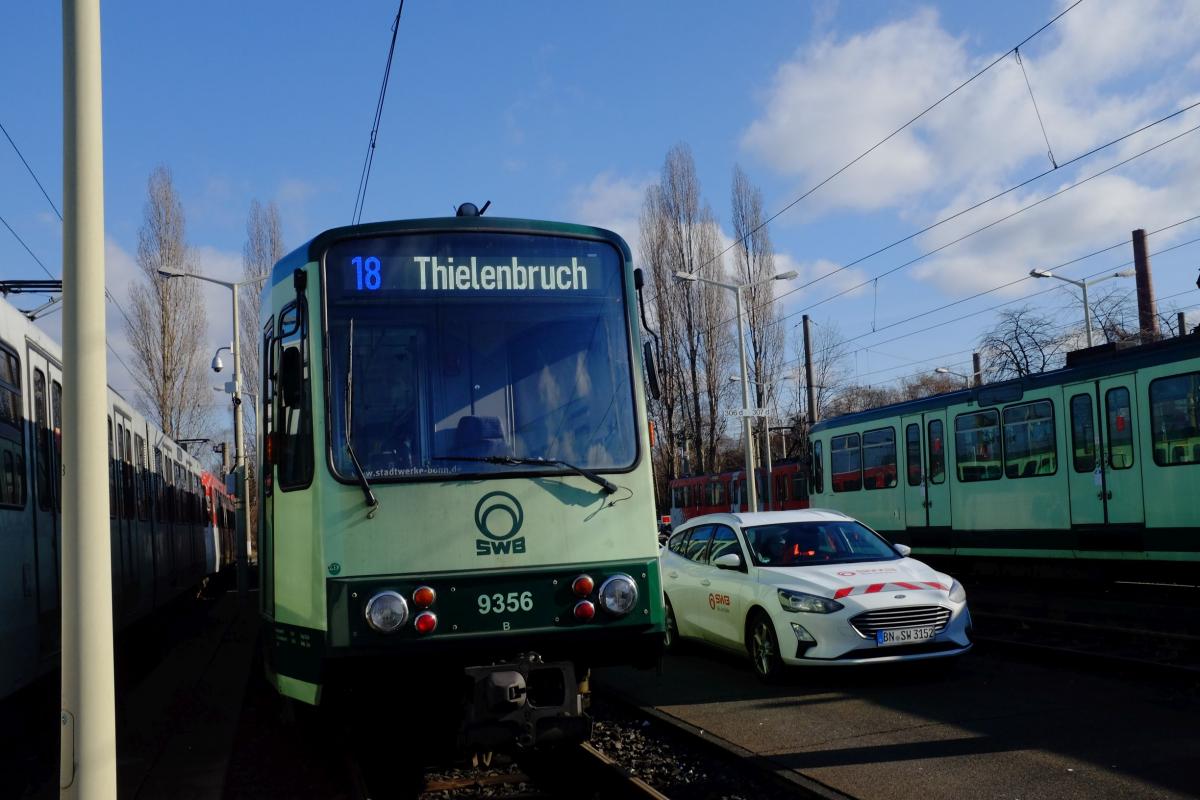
x=764 y=648
x=671 y=635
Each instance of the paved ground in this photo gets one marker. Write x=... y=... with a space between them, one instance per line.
x=181 y=678
x=992 y=726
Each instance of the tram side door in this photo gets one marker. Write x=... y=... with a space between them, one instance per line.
x=916 y=502
x=1104 y=477
x=45 y=382
x=926 y=493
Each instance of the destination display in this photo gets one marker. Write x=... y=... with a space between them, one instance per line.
x=465 y=264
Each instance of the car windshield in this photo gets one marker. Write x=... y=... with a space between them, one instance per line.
x=473 y=346
x=798 y=544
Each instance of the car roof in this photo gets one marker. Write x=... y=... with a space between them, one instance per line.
x=750 y=519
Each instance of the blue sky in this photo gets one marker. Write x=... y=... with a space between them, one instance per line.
x=566 y=111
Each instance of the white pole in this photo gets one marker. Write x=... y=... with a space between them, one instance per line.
x=88 y=762
x=242 y=526
x=747 y=434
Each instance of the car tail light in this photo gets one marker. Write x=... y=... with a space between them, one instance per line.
x=584 y=610
x=426 y=622
x=583 y=585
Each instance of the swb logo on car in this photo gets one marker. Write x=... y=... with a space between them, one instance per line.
x=718 y=602
x=499 y=528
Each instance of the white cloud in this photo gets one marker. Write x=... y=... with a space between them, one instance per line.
x=1099 y=72
x=613 y=202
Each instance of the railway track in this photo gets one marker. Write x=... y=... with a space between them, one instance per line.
x=1148 y=626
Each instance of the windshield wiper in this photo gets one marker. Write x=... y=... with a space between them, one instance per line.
x=608 y=486
x=368 y=494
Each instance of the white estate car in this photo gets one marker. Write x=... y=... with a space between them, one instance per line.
x=807 y=587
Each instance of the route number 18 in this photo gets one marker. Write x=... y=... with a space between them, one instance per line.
x=368 y=273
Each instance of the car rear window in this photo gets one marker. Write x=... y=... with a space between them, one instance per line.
x=796 y=544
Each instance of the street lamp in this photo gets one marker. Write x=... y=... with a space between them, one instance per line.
x=239 y=458
x=767 y=431
x=1087 y=313
x=747 y=435
x=944 y=371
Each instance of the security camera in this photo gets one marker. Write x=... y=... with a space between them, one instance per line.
x=217 y=364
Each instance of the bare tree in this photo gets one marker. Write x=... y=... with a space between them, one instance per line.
x=855 y=398
x=754 y=265
x=927 y=384
x=167 y=325
x=679 y=233
x=263 y=247
x=1023 y=342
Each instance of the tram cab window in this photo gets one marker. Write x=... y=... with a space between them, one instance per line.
x=451 y=368
x=1175 y=419
x=818 y=469
x=41 y=429
x=12 y=432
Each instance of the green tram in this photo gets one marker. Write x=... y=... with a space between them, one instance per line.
x=1091 y=469
x=457 y=509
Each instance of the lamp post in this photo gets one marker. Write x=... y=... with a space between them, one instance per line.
x=944 y=371
x=1087 y=313
x=767 y=431
x=747 y=435
x=239 y=453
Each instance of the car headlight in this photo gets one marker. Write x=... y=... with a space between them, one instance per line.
x=811 y=603
x=386 y=612
x=618 y=595
x=957 y=593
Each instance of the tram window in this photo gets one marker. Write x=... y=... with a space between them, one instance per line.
x=56 y=424
x=912 y=453
x=677 y=497
x=268 y=406
x=977 y=446
x=937 y=452
x=112 y=474
x=698 y=543
x=1083 y=434
x=1175 y=419
x=879 y=458
x=12 y=431
x=42 y=437
x=798 y=487
x=718 y=494
x=1030 y=448
x=845 y=463
x=159 y=485
x=130 y=486
x=294 y=417
x=1120 y=428
x=818 y=468
x=141 y=477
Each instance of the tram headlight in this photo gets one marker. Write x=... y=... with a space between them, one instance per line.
x=618 y=595
x=386 y=612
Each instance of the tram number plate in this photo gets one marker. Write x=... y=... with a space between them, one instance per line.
x=904 y=636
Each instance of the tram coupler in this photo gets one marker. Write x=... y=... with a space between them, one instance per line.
x=523 y=704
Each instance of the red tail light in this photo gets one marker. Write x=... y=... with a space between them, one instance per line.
x=425 y=622
x=583 y=585
x=424 y=597
x=584 y=610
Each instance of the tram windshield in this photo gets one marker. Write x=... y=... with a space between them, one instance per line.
x=473 y=346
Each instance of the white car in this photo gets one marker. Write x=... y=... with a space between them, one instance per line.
x=807 y=587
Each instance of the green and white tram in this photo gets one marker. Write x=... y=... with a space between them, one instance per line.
x=1097 y=464
x=457 y=504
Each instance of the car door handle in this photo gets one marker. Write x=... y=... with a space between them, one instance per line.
x=1104 y=495
x=706 y=582
x=672 y=574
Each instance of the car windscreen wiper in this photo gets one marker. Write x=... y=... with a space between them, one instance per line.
x=608 y=486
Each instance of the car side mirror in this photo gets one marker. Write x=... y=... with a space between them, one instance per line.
x=728 y=561
x=903 y=549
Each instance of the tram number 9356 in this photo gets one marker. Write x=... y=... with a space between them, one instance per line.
x=500 y=603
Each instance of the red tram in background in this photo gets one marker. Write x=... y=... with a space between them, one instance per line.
x=726 y=491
